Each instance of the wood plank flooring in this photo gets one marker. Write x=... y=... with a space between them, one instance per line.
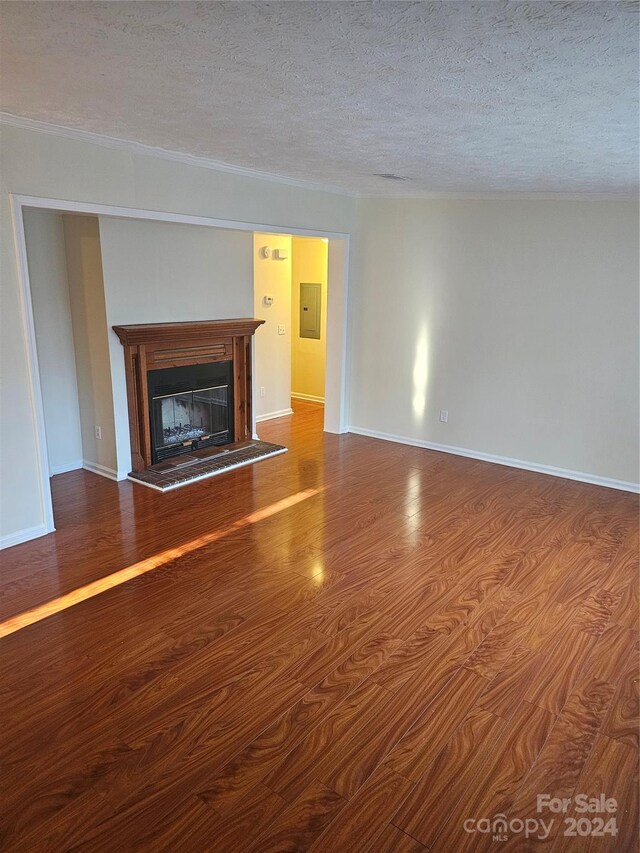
x=355 y=646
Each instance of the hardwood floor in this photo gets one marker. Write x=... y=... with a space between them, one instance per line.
x=355 y=646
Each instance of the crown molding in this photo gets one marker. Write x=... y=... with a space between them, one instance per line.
x=241 y=171
x=164 y=153
x=500 y=196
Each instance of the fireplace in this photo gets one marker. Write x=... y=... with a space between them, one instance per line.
x=188 y=386
x=190 y=408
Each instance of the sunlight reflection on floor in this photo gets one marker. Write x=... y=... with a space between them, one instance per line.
x=62 y=602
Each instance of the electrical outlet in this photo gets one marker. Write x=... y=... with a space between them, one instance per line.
x=281 y=329
x=444 y=416
x=262 y=391
x=98 y=432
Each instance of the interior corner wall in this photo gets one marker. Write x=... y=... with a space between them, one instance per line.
x=519 y=318
x=272 y=370
x=89 y=319
x=44 y=238
x=309 y=265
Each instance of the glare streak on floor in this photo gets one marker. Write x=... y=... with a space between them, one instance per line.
x=49 y=608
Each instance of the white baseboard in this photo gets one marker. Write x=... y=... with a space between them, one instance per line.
x=308 y=397
x=23 y=536
x=76 y=465
x=271 y=415
x=109 y=473
x=580 y=476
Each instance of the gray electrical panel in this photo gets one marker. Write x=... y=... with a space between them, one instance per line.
x=310 y=310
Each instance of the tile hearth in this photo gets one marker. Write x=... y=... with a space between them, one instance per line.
x=182 y=470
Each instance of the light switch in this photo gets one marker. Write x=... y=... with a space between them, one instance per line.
x=281 y=329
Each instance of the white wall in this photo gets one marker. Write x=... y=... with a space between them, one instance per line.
x=156 y=272
x=44 y=236
x=47 y=165
x=520 y=318
x=272 y=368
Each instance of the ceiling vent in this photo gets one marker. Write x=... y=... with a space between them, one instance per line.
x=389 y=176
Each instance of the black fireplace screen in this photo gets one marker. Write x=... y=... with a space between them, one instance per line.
x=190 y=407
x=192 y=415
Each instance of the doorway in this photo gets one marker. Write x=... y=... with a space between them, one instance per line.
x=309 y=298
x=292 y=296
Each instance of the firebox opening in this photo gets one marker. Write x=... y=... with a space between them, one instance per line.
x=190 y=407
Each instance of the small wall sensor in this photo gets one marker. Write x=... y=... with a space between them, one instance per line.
x=268 y=300
x=265 y=252
x=279 y=255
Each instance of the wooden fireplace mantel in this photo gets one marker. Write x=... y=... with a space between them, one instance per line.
x=153 y=346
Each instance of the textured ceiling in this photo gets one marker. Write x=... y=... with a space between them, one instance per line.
x=459 y=97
